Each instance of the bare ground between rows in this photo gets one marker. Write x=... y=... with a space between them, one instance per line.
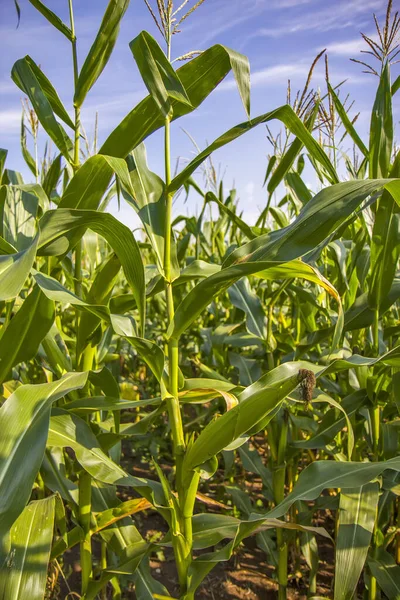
x=246 y=576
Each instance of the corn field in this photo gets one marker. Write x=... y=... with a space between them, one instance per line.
x=200 y=386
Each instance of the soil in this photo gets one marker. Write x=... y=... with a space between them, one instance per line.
x=246 y=576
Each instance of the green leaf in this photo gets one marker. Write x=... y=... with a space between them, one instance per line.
x=205 y=291
x=331 y=425
x=101 y=49
x=244 y=298
x=329 y=208
x=324 y=474
x=158 y=75
x=69 y=430
x=21 y=339
x=53 y=19
x=20 y=206
x=387 y=573
x=24 y=419
x=381 y=128
x=24 y=574
x=396 y=85
x=30 y=161
x=145 y=584
x=205 y=562
x=50 y=93
x=287 y=116
x=255 y=404
x=27 y=81
x=89 y=184
x=99 y=293
x=95 y=403
x=347 y=124
x=148 y=200
x=55 y=224
x=52 y=177
x=14 y=269
x=199 y=77
x=287 y=160
x=211 y=197
x=357 y=514
x=385 y=243
x=3 y=158
x=122 y=325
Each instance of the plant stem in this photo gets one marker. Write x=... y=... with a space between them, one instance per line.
x=375 y=332
x=279 y=494
x=85 y=493
x=182 y=545
x=78 y=250
x=85 y=480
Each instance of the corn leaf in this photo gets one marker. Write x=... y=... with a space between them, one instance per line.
x=244 y=298
x=24 y=574
x=159 y=76
x=14 y=269
x=50 y=92
x=324 y=474
x=27 y=81
x=329 y=208
x=381 y=129
x=357 y=514
x=24 y=419
x=21 y=339
x=101 y=49
x=347 y=124
x=204 y=292
x=148 y=199
x=52 y=18
x=287 y=116
x=387 y=573
x=199 y=77
x=255 y=403
x=55 y=224
x=122 y=325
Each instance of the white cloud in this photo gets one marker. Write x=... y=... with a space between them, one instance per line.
x=338 y=15
x=348 y=48
x=10 y=122
x=273 y=74
x=294 y=72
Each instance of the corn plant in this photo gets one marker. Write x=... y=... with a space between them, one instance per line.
x=213 y=332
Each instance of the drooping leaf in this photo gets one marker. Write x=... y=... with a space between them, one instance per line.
x=50 y=93
x=54 y=225
x=159 y=76
x=199 y=77
x=323 y=474
x=203 y=293
x=27 y=81
x=287 y=116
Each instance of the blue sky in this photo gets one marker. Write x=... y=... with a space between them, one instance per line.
x=280 y=37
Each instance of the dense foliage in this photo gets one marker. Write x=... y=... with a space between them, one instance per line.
x=203 y=344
